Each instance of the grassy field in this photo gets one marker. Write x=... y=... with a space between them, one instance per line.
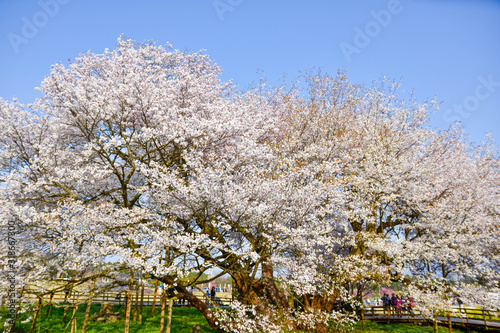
x=183 y=320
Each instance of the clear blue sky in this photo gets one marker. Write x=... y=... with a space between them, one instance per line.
x=444 y=48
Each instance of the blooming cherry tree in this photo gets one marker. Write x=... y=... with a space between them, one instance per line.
x=141 y=158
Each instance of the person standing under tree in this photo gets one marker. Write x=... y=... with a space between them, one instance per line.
x=409 y=304
x=212 y=293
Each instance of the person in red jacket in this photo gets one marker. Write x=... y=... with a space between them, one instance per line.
x=409 y=304
x=398 y=303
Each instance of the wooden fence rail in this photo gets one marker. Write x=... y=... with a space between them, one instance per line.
x=111 y=297
x=462 y=315
x=457 y=316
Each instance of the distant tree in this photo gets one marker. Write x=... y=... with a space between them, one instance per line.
x=387 y=291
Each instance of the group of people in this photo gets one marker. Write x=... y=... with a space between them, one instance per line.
x=211 y=293
x=400 y=303
x=211 y=297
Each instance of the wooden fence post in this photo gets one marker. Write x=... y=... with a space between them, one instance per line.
x=484 y=317
x=142 y=298
x=154 y=300
x=39 y=306
x=434 y=322
x=73 y=319
x=136 y=301
x=467 y=319
x=362 y=317
x=162 y=315
x=89 y=305
x=129 y=301
x=169 y=317
x=49 y=307
x=360 y=289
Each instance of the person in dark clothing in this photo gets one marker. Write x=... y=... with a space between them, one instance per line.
x=119 y=298
x=212 y=293
x=385 y=300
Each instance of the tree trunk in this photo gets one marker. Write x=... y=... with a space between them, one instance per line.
x=267 y=287
x=262 y=293
x=321 y=328
x=323 y=303
x=195 y=301
x=89 y=305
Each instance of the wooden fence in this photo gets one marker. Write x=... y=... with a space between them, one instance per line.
x=462 y=315
x=222 y=300
x=457 y=316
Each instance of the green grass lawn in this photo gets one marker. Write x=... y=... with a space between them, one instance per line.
x=183 y=320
